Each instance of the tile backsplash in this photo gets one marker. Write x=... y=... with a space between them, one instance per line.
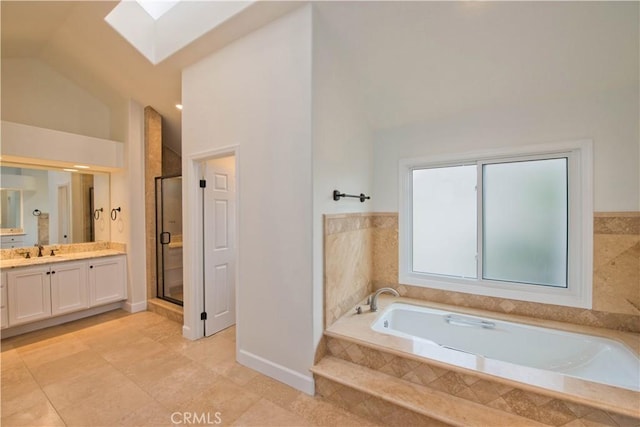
x=361 y=255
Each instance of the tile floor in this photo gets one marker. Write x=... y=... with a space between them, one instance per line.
x=120 y=369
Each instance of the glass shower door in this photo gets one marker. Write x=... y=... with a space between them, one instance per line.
x=169 y=238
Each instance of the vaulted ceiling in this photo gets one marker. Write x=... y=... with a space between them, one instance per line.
x=412 y=61
x=74 y=39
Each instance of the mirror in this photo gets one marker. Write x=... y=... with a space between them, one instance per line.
x=10 y=209
x=53 y=206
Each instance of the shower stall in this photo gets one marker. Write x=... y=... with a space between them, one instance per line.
x=169 y=238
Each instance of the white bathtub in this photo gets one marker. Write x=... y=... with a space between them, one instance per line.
x=587 y=357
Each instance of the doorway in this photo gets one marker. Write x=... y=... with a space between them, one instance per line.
x=169 y=239
x=63 y=214
x=219 y=243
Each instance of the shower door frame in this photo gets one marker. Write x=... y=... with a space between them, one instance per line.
x=159 y=252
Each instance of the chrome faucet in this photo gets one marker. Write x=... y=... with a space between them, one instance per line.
x=40 y=248
x=374 y=298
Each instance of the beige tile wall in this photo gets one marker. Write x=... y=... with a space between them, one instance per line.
x=348 y=244
x=363 y=248
x=153 y=168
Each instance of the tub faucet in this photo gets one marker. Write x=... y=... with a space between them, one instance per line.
x=374 y=298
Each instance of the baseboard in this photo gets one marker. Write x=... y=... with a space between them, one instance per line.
x=187 y=333
x=59 y=320
x=278 y=372
x=135 y=307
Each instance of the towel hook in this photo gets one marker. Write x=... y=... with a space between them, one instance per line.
x=96 y=213
x=36 y=212
x=114 y=213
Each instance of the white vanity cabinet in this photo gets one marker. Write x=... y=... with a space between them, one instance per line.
x=4 y=312
x=107 y=280
x=56 y=288
x=29 y=292
x=69 y=287
x=12 y=241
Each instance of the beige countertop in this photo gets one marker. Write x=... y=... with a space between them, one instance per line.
x=47 y=259
x=357 y=328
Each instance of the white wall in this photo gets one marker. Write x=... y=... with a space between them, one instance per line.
x=127 y=192
x=33 y=93
x=56 y=179
x=609 y=119
x=342 y=147
x=255 y=94
x=31 y=200
x=101 y=198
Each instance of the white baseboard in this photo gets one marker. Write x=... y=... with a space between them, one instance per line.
x=278 y=372
x=188 y=333
x=135 y=307
x=59 y=320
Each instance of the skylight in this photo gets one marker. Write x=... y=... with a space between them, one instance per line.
x=157 y=8
x=160 y=28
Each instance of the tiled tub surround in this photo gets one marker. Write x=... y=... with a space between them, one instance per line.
x=361 y=248
x=361 y=255
x=348 y=264
x=526 y=392
x=70 y=252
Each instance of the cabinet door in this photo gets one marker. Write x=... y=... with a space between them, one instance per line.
x=29 y=294
x=4 y=311
x=107 y=280
x=69 y=290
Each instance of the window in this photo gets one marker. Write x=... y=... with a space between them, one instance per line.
x=512 y=223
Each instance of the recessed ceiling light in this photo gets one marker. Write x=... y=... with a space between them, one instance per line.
x=81 y=166
x=70 y=170
x=179 y=106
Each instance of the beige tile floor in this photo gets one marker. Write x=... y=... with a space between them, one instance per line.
x=120 y=369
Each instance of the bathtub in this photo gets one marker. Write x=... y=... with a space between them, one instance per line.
x=587 y=357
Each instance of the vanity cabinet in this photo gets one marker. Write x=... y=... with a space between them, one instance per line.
x=40 y=292
x=107 y=280
x=29 y=292
x=12 y=241
x=4 y=312
x=69 y=287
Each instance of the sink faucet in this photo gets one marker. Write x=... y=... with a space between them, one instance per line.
x=40 y=249
x=374 y=298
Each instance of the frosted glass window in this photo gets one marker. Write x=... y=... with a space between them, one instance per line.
x=525 y=222
x=445 y=221
x=514 y=223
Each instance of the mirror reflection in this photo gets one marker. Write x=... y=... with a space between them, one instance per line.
x=46 y=206
x=10 y=208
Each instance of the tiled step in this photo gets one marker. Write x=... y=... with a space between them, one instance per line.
x=413 y=397
x=165 y=308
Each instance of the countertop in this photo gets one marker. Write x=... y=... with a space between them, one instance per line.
x=47 y=259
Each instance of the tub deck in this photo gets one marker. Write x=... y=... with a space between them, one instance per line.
x=357 y=329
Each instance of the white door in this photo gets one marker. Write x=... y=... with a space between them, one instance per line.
x=107 y=280
x=63 y=214
x=29 y=292
x=69 y=290
x=219 y=244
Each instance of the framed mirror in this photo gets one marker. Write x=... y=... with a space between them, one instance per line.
x=10 y=209
x=56 y=206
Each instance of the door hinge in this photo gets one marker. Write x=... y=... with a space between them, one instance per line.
x=203 y=315
x=203 y=183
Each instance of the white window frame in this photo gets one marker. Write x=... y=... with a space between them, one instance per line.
x=578 y=292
